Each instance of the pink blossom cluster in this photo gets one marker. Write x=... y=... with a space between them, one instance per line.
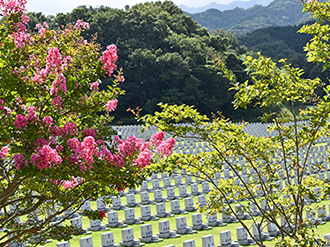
x=81 y=24
x=157 y=138
x=48 y=120
x=21 y=121
x=46 y=158
x=19 y=160
x=88 y=132
x=8 y=7
x=111 y=105
x=32 y=114
x=166 y=147
x=69 y=129
x=69 y=184
x=109 y=58
x=95 y=85
x=144 y=158
x=42 y=28
x=4 y=151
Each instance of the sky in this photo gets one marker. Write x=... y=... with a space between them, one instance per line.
x=51 y=7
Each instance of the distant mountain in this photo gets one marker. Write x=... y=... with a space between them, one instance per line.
x=240 y=21
x=222 y=7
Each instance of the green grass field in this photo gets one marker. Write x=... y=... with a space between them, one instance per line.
x=322 y=229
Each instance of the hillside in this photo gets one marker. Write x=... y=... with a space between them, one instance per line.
x=240 y=21
x=222 y=7
x=166 y=56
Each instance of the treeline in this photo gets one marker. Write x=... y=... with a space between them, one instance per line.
x=241 y=21
x=285 y=42
x=166 y=57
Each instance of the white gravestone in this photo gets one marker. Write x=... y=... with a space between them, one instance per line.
x=167 y=182
x=189 y=204
x=144 y=186
x=158 y=196
x=161 y=211
x=189 y=243
x=155 y=184
x=146 y=213
x=202 y=201
x=181 y=226
x=212 y=220
x=171 y=194
x=77 y=222
x=145 y=200
x=208 y=241
x=225 y=239
x=86 y=242
x=239 y=210
x=108 y=240
x=178 y=181
x=272 y=230
x=175 y=207
x=183 y=191
x=127 y=236
x=197 y=222
x=130 y=217
x=165 y=231
x=188 y=180
x=116 y=203
x=113 y=220
x=205 y=187
x=95 y=225
x=256 y=227
x=147 y=235
x=243 y=237
x=101 y=205
x=131 y=202
x=62 y=244
x=194 y=189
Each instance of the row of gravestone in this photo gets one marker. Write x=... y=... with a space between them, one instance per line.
x=147 y=236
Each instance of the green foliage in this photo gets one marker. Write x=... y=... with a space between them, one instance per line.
x=166 y=57
x=262 y=164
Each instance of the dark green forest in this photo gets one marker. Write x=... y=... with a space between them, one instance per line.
x=166 y=57
x=241 y=21
x=285 y=42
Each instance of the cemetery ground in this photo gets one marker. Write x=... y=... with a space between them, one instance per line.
x=96 y=236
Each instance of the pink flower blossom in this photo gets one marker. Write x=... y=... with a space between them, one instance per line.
x=46 y=158
x=109 y=58
x=57 y=101
x=19 y=160
x=157 y=138
x=95 y=85
x=58 y=85
x=81 y=24
x=101 y=214
x=69 y=184
x=21 y=121
x=4 y=152
x=111 y=105
x=166 y=147
x=121 y=79
x=48 y=120
x=143 y=158
x=54 y=61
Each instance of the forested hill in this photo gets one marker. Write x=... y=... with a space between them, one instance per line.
x=241 y=21
x=166 y=56
x=284 y=42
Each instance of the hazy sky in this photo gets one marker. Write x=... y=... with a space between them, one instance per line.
x=54 y=6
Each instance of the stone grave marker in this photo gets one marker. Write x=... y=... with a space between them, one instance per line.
x=101 y=205
x=116 y=203
x=95 y=225
x=188 y=180
x=202 y=201
x=158 y=196
x=165 y=231
x=85 y=206
x=272 y=230
x=108 y=240
x=208 y=241
x=178 y=181
x=113 y=220
x=205 y=187
x=144 y=186
x=194 y=189
x=155 y=184
x=183 y=191
x=259 y=235
x=161 y=211
x=127 y=236
x=212 y=220
x=181 y=226
x=175 y=207
x=86 y=242
x=189 y=204
x=77 y=222
x=167 y=183
x=227 y=217
x=239 y=210
x=243 y=237
x=197 y=222
x=131 y=202
x=225 y=239
x=146 y=214
x=189 y=243
x=322 y=213
x=171 y=194
x=147 y=235
x=61 y=244
x=145 y=200
x=130 y=217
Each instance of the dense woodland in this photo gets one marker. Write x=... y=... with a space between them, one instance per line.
x=166 y=56
x=241 y=21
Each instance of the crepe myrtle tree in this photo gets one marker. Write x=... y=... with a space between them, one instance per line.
x=272 y=174
x=56 y=149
